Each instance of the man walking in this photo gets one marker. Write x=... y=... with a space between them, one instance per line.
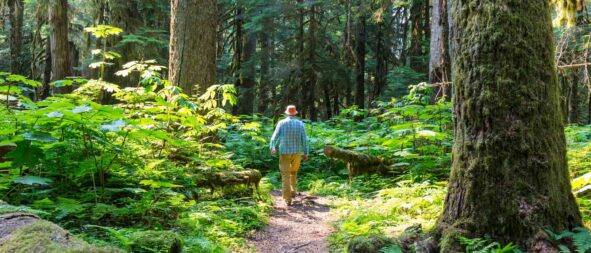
x=290 y=133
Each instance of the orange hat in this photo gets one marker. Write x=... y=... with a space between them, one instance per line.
x=291 y=110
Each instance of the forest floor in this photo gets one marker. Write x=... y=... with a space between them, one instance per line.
x=302 y=227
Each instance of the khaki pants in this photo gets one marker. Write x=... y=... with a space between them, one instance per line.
x=289 y=166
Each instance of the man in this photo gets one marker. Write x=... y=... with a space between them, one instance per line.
x=290 y=133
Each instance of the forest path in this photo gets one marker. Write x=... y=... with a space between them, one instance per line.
x=302 y=227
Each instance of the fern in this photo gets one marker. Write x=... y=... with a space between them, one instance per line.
x=391 y=248
x=480 y=245
x=581 y=239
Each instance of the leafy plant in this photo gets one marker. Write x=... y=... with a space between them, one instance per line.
x=480 y=245
x=581 y=239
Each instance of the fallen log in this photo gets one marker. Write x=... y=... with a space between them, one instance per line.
x=228 y=178
x=26 y=232
x=358 y=163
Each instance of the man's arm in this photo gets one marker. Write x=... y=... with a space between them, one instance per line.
x=275 y=137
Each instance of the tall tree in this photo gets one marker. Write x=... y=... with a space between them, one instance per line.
x=192 y=58
x=439 y=57
x=418 y=33
x=509 y=175
x=58 y=36
x=247 y=70
x=360 y=63
x=16 y=12
x=310 y=68
x=265 y=87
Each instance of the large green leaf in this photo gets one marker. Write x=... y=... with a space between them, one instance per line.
x=32 y=180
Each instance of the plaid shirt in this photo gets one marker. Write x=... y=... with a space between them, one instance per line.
x=290 y=133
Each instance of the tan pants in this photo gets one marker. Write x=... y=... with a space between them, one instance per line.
x=289 y=166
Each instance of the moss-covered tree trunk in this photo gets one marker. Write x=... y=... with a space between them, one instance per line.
x=509 y=175
x=192 y=59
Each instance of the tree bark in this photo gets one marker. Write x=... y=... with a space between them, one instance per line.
x=16 y=12
x=311 y=78
x=192 y=58
x=247 y=75
x=45 y=90
x=360 y=63
x=417 y=34
x=381 y=64
x=265 y=85
x=509 y=176
x=58 y=36
x=439 y=57
x=573 y=103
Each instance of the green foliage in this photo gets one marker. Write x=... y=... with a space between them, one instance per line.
x=581 y=239
x=392 y=248
x=372 y=243
x=112 y=166
x=479 y=245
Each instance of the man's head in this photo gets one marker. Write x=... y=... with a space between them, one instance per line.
x=291 y=110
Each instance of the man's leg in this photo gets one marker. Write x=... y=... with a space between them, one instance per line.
x=295 y=167
x=284 y=167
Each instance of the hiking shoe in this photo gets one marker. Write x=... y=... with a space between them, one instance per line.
x=288 y=203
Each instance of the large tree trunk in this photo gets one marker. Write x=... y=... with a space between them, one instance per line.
x=58 y=36
x=509 y=175
x=360 y=63
x=16 y=12
x=192 y=59
x=439 y=57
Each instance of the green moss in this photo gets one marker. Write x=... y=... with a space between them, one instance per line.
x=368 y=244
x=43 y=236
x=156 y=241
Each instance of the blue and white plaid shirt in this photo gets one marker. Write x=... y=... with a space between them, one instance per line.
x=290 y=133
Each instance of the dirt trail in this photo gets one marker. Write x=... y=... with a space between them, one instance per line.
x=302 y=227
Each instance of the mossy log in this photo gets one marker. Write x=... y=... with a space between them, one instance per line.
x=25 y=233
x=229 y=178
x=358 y=163
x=5 y=149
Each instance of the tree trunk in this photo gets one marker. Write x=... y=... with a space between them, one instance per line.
x=381 y=64
x=16 y=12
x=265 y=85
x=439 y=57
x=45 y=90
x=573 y=103
x=509 y=176
x=417 y=33
x=327 y=106
x=360 y=63
x=192 y=58
x=311 y=78
x=297 y=88
x=58 y=36
x=348 y=49
x=247 y=75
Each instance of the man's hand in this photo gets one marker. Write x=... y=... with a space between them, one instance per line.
x=273 y=151
x=305 y=157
